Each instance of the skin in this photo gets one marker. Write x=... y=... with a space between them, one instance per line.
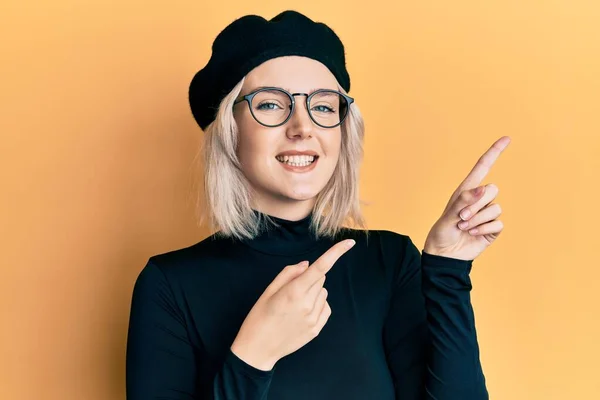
x=293 y=309
x=290 y=313
x=465 y=237
x=279 y=192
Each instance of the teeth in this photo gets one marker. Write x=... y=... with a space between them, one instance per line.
x=297 y=161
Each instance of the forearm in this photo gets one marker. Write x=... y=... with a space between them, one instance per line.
x=454 y=367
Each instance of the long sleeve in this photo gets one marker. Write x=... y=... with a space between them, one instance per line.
x=429 y=336
x=161 y=361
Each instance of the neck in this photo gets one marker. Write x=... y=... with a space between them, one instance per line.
x=289 y=210
x=288 y=237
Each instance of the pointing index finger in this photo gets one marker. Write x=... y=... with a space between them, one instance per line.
x=484 y=164
x=324 y=263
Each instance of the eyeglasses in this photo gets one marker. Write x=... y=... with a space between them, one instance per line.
x=273 y=106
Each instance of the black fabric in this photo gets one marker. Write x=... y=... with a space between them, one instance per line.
x=402 y=325
x=251 y=40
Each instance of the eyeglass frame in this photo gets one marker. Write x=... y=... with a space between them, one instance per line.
x=248 y=98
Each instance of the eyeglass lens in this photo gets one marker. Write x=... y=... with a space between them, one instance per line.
x=272 y=107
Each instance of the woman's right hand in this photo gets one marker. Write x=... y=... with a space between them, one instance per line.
x=290 y=313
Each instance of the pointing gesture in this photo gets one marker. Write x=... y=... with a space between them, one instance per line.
x=290 y=313
x=469 y=222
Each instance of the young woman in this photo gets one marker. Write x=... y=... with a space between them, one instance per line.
x=283 y=302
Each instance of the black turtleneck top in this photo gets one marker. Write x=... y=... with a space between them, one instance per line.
x=402 y=324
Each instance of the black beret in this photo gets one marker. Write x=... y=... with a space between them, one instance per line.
x=251 y=40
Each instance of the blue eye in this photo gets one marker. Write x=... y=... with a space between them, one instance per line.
x=274 y=106
x=323 y=109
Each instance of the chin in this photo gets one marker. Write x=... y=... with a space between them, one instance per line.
x=301 y=197
x=300 y=194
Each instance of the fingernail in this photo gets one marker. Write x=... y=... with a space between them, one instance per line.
x=465 y=214
x=304 y=264
x=350 y=243
x=463 y=224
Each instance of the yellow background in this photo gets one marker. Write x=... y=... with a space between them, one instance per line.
x=97 y=168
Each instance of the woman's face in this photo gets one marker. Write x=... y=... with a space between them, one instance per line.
x=279 y=186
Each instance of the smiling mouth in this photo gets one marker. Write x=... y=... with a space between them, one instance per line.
x=297 y=161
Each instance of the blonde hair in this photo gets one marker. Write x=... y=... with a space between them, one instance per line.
x=227 y=193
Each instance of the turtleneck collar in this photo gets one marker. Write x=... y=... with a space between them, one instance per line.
x=288 y=238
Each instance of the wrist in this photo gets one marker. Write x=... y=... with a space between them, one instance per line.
x=430 y=251
x=253 y=358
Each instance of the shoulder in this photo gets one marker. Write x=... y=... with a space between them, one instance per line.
x=393 y=254
x=390 y=245
x=189 y=261
x=381 y=237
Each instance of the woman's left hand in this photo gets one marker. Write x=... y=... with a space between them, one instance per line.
x=448 y=237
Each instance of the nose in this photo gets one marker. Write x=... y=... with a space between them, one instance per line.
x=300 y=125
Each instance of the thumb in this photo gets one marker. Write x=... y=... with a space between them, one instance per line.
x=478 y=191
x=469 y=198
x=476 y=194
x=286 y=275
